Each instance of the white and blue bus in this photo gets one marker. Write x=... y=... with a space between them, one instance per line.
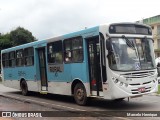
x=112 y=61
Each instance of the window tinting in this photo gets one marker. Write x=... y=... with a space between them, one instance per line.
x=73 y=49
x=12 y=59
x=5 y=59
x=55 y=52
x=29 y=56
x=19 y=58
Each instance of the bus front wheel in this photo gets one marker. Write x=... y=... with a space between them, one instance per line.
x=80 y=95
x=119 y=99
x=24 y=88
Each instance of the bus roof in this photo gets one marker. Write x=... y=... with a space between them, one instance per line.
x=23 y=46
x=85 y=33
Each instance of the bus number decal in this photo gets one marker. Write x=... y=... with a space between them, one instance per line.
x=56 y=68
x=21 y=73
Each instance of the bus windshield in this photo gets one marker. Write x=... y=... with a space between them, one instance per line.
x=130 y=54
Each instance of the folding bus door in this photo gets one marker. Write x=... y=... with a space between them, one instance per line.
x=94 y=63
x=42 y=68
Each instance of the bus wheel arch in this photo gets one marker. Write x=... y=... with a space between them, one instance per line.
x=24 y=87
x=79 y=92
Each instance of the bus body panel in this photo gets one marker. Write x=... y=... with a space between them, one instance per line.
x=58 y=82
x=121 y=91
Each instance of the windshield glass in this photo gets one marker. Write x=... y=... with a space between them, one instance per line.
x=131 y=54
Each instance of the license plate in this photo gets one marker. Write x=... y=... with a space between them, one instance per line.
x=141 y=89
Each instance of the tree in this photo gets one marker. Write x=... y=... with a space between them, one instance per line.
x=21 y=36
x=16 y=37
x=5 y=41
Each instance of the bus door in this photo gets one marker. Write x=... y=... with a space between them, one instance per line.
x=94 y=63
x=42 y=68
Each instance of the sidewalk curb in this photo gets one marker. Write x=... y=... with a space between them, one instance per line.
x=154 y=94
x=31 y=101
x=45 y=104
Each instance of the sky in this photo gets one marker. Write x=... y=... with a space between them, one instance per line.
x=50 y=18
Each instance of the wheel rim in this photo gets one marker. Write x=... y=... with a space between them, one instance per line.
x=80 y=94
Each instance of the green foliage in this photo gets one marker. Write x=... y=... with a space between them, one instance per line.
x=16 y=37
x=5 y=41
x=21 y=36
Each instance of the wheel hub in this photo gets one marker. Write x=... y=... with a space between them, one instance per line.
x=80 y=94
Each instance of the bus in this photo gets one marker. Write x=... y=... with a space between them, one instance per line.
x=110 y=61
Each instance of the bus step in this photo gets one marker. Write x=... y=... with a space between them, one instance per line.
x=43 y=92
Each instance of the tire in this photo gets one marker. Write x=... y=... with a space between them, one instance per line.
x=24 y=88
x=80 y=95
x=119 y=100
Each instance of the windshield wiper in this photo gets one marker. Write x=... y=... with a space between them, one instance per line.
x=128 y=42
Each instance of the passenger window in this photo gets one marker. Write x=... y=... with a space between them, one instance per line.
x=73 y=49
x=5 y=60
x=68 y=50
x=29 y=56
x=55 y=52
x=19 y=58
x=12 y=59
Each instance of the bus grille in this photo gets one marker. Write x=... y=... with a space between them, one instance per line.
x=135 y=84
x=138 y=74
x=135 y=91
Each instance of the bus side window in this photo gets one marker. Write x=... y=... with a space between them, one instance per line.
x=19 y=58
x=55 y=52
x=5 y=61
x=73 y=50
x=12 y=59
x=68 y=56
x=67 y=50
x=77 y=49
x=29 y=56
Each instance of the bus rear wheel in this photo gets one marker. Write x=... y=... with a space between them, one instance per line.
x=24 y=88
x=80 y=95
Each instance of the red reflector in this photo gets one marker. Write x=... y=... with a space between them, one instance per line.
x=93 y=82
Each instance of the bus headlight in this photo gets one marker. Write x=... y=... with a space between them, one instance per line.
x=121 y=83
x=113 y=78
x=126 y=85
x=116 y=81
